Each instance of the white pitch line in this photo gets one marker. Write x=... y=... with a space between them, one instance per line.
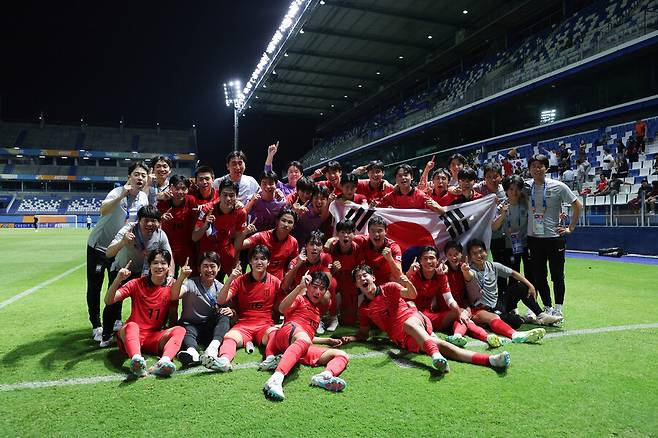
x=246 y=365
x=39 y=286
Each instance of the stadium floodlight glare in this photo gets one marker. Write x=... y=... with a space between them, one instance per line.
x=547 y=116
x=234 y=97
x=465 y=12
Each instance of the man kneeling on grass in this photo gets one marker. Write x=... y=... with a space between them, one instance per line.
x=302 y=309
x=385 y=307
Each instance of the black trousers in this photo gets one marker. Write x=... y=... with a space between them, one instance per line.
x=214 y=329
x=519 y=292
x=112 y=312
x=514 y=261
x=497 y=248
x=549 y=251
x=97 y=264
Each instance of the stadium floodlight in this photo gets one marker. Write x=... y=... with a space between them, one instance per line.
x=234 y=97
x=547 y=116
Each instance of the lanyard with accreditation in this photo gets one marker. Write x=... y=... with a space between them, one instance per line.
x=538 y=218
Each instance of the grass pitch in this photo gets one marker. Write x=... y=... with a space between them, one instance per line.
x=582 y=384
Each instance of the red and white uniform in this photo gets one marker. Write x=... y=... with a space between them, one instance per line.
x=255 y=302
x=450 y=199
x=281 y=252
x=377 y=194
x=358 y=198
x=436 y=197
x=179 y=228
x=458 y=287
x=376 y=260
x=200 y=200
x=335 y=190
x=324 y=265
x=344 y=284
x=429 y=290
x=415 y=199
x=219 y=236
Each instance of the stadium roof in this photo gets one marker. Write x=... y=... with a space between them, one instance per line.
x=330 y=56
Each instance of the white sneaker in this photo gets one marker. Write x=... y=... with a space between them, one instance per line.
x=270 y=363
x=558 y=314
x=500 y=360
x=163 y=368
x=333 y=324
x=138 y=366
x=217 y=364
x=548 y=310
x=320 y=330
x=530 y=317
x=106 y=342
x=440 y=363
x=117 y=325
x=546 y=319
x=97 y=334
x=330 y=383
x=189 y=357
x=273 y=389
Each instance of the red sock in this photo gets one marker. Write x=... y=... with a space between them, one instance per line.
x=269 y=347
x=458 y=328
x=430 y=347
x=480 y=359
x=228 y=348
x=131 y=339
x=172 y=346
x=476 y=331
x=500 y=327
x=291 y=356
x=338 y=364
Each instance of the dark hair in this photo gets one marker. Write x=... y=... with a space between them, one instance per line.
x=468 y=174
x=493 y=167
x=316 y=236
x=259 y=249
x=442 y=170
x=227 y=183
x=322 y=191
x=211 y=256
x=177 y=179
x=349 y=178
x=268 y=174
x=375 y=165
x=137 y=164
x=450 y=244
x=157 y=158
x=513 y=180
x=543 y=159
x=475 y=243
x=296 y=164
x=377 y=220
x=346 y=225
x=236 y=154
x=305 y=184
x=362 y=267
x=405 y=168
x=287 y=210
x=156 y=252
x=332 y=165
x=319 y=275
x=148 y=212
x=204 y=169
x=458 y=157
x=428 y=248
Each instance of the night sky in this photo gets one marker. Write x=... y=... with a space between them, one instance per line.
x=148 y=61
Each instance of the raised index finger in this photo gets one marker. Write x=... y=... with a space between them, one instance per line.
x=128 y=264
x=187 y=260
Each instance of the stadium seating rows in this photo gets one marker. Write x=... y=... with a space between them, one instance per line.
x=56 y=204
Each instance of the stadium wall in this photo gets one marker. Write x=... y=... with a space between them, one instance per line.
x=634 y=240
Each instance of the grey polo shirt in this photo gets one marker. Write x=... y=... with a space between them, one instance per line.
x=197 y=308
x=483 y=288
x=139 y=250
x=557 y=192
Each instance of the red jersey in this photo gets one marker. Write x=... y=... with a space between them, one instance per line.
x=387 y=310
x=255 y=298
x=358 y=198
x=303 y=313
x=179 y=228
x=450 y=199
x=149 y=304
x=436 y=197
x=363 y=188
x=220 y=234
x=457 y=287
x=281 y=252
x=200 y=200
x=376 y=260
x=323 y=265
x=415 y=199
x=428 y=290
x=335 y=190
x=348 y=262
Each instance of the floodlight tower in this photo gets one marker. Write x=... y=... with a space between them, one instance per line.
x=234 y=97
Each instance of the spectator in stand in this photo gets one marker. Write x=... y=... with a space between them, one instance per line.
x=640 y=134
x=263 y=207
x=553 y=160
x=405 y=195
x=632 y=150
x=158 y=178
x=236 y=165
x=582 y=151
x=637 y=202
x=332 y=171
x=652 y=198
x=375 y=187
x=295 y=171
x=603 y=184
x=202 y=189
x=569 y=178
x=606 y=163
x=508 y=169
x=621 y=167
x=621 y=149
x=119 y=206
x=582 y=172
x=655 y=165
x=456 y=163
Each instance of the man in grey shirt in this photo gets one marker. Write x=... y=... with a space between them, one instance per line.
x=133 y=242
x=118 y=207
x=204 y=320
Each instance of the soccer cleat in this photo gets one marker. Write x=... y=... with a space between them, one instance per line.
x=333 y=324
x=530 y=337
x=333 y=384
x=457 y=340
x=440 y=363
x=529 y=318
x=546 y=319
x=548 y=310
x=138 y=366
x=217 y=364
x=163 y=368
x=270 y=363
x=188 y=357
x=273 y=389
x=320 y=330
x=500 y=360
x=97 y=334
x=117 y=325
x=558 y=314
x=106 y=342
x=493 y=340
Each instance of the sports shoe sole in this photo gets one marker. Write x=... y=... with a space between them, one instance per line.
x=506 y=361
x=272 y=395
x=333 y=384
x=441 y=364
x=186 y=359
x=494 y=341
x=138 y=367
x=165 y=369
x=459 y=341
x=269 y=366
x=213 y=364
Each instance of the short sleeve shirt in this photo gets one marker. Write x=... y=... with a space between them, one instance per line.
x=139 y=249
x=373 y=194
x=149 y=304
x=483 y=288
x=557 y=192
x=247 y=186
x=219 y=235
x=255 y=299
x=303 y=313
x=414 y=199
x=429 y=289
x=376 y=260
x=281 y=252
x=199 y=302
x=387 y=310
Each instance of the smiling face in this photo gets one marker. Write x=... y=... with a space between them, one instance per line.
x=477 y=256
x=454 y=257
x=376 y=176
x=137 y=178
x=492 y=179
x=303 y=196
x=267 y=188
x=204 y=181
x=208 y=271
x=333 y=176
x=259 y=264
x=161 y=170
x=513 y=194
x=159 y=269
x=179 y=191
x=538 y=171
x=236 y=167
x=403 y=179
x=429 y=261
x=147 y=226
x=227 y=199
x=466 y=185
x=293 y=175
x=455 y=166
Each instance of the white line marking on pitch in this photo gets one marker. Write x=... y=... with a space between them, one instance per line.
x=39 y=286
x=246 y=365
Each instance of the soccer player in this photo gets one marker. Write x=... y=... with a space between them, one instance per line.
x=119 y=206
x=332 y=171
x=546 y=237
x=379 y=252
x=405 y=195
x=348 y=184
x=202 y=190
x=481 y=285
x=179 y=213
x=149 y=303
x=281 y=245
x=220 y=226
x=158 y=179
x=132 y=243
x=256 y=293
x=386 y=308
x=294 y=172
x=236 y=165
x=298 y=199
x=440 y=179
x=203 y=319
x=464 y=191
x=313 y=216
x=294 y=340
x=263 y=207
x=88 y=221
x=375 y=187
